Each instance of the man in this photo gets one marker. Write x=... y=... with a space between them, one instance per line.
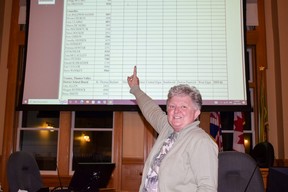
x=184 y=157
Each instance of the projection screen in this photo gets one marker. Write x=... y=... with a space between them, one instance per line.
x=80 y=52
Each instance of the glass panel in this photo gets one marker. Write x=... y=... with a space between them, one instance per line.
x=248 y=142
x=227 y=120
x=248 y=122
x=42 y=144
x=39 y=119
x=20 y=72
x=92 y=146
x=228 y=142
x=227 y=139
x=251 y=63
x=93 y=119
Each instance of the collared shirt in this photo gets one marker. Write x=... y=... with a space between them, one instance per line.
x=151 y=182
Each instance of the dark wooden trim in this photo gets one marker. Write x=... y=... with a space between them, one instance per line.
x=264 y=173
x=127 y=161
x=2 y=5
x=281 y=163
x=64 y=147
x=9 y=133
x=257 y=38
x=117 y=150
x=53 y=181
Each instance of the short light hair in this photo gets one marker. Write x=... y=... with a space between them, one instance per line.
x=186 y=90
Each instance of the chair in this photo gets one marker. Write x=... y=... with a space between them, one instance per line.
x=263 y=153
x=23 y=173
x=238 y=172
x=277 y=179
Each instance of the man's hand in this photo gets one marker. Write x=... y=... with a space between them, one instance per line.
x=133 y=79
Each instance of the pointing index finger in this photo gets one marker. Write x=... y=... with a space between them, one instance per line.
x=135 y=71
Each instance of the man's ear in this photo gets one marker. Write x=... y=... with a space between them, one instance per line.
x=197 y=113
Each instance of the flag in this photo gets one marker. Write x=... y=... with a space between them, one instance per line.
x=263 y=109
x=215 y=129
x=238 y=135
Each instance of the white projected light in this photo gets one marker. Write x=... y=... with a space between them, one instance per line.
x=80 y=52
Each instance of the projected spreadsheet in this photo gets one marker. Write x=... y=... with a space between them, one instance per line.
x=170 y=42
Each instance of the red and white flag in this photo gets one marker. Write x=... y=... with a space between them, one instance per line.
x=238 y=135
x=215 y=129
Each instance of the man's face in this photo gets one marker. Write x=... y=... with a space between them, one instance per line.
x=181 y=112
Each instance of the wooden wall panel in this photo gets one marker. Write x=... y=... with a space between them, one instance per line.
x=133 y=135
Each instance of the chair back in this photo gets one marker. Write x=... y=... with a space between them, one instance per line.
x=23 y=172
x=263 y=153
x=238 y=172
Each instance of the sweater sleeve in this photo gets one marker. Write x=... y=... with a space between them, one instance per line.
x=204 y=163
x=151 y=111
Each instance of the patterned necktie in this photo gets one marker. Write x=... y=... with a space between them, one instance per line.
x=151 y=183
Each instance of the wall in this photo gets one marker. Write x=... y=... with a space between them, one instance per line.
x=5 y=15
x=276 y=14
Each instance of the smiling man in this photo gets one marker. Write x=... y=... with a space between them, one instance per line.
x=184 y=158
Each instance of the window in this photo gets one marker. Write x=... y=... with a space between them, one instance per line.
x=227 y=123
x=250 y=120
x=38 y=135
x=92 y=137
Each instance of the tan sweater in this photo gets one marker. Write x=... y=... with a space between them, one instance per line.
x=191 y=164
